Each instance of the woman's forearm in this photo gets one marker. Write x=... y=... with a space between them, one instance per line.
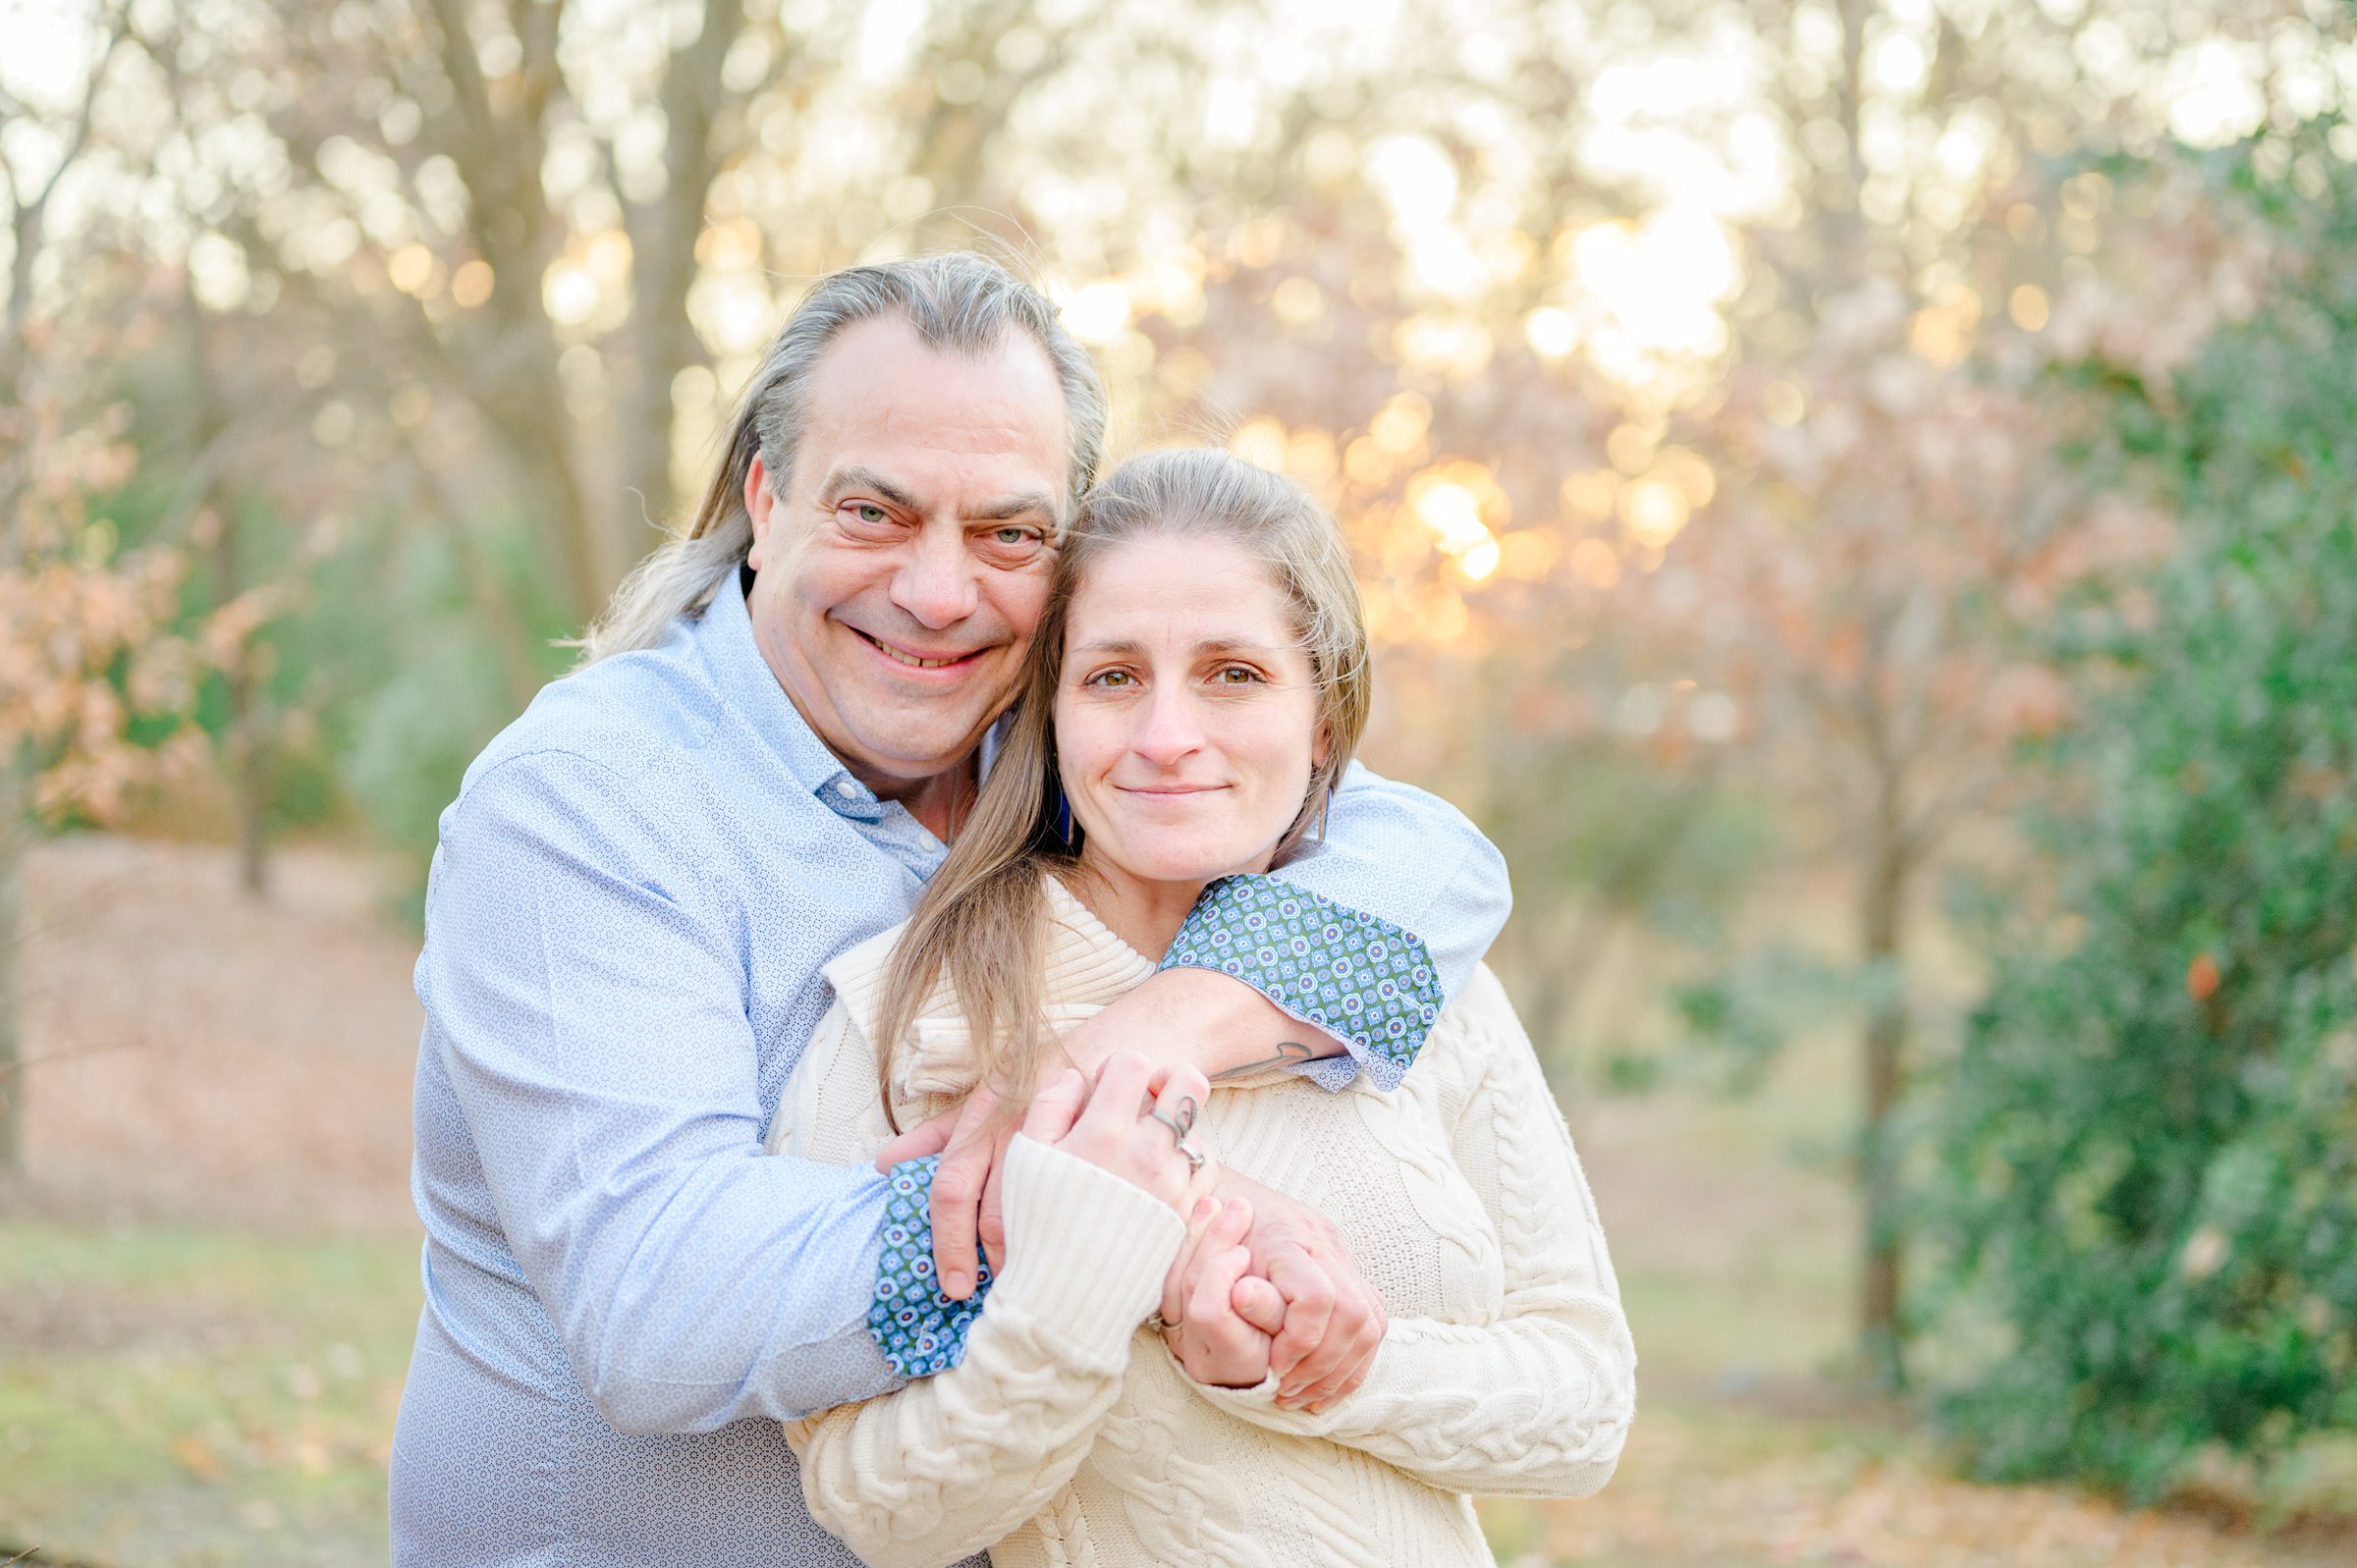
x=1539 y=1401
x=951 y=1463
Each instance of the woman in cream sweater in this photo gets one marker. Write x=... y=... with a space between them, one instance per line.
x=1193 y=695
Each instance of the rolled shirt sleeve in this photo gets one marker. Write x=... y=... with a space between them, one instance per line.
x=1369 y=934
x=589 y=984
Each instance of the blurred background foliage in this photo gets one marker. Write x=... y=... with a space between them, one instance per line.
x=1854 y=495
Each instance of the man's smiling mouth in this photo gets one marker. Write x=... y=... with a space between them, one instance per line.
x=912 y=661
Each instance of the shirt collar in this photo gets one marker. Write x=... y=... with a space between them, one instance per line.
x=748 y=684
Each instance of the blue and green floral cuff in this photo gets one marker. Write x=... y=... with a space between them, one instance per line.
x=920 y=1330
x=1362 y=980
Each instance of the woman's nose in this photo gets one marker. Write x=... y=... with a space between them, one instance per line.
x=1168 y=726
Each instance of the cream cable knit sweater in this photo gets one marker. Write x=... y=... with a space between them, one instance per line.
x=1068 y=1435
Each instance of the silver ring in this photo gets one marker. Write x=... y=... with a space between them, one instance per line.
x=1181 y=1127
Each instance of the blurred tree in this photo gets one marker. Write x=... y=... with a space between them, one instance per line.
x=90 y=677
x=528 y=229
x=1863 y=590
x=2149 y=1172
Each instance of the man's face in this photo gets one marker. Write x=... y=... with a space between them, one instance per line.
x=901 y=568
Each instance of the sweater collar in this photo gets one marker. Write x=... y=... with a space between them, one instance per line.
x=1087 y=967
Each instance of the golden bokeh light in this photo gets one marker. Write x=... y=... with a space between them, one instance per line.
x=1595 y=563
x=1529 y=553
x=1261 y=442
x=1630 y=447
x=1690 y=473
x=1096 y=314
x=413 y=269
x=1365 y=463
x=569 y=294
x=1591 y=496
x=1398 y=427
x=1552 y=332
x=1653 y=511
x=470 y=284
x=1297 y=302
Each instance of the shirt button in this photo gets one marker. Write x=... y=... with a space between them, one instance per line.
x=847 y=787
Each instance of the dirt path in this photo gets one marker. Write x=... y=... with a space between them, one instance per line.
x=194 y=1053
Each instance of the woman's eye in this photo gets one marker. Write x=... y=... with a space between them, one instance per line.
x=1237 y=675
x=1113 y=679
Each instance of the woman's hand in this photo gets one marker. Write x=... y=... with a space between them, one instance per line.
x=1211 y=1339
x=1131 y=1124
x=971 y=1140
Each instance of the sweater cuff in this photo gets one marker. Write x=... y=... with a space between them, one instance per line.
x=1258 y=1405
x=1087 y=1251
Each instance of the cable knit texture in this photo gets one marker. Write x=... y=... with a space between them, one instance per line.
x=1070 y=1436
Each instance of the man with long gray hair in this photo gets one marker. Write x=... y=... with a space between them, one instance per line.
x=778 y=723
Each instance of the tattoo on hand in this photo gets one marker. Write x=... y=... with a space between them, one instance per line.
x=1290 y=1053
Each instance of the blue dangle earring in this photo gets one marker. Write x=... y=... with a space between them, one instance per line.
x=1064 y=816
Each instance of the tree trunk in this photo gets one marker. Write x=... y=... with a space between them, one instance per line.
x=664 y=232
x=245 y=751
x=14 y=838
x=1880 y=1340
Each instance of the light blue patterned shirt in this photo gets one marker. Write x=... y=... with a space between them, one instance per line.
x=627 y=914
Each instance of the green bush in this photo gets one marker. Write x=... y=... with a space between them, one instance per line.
x=2149 y=1141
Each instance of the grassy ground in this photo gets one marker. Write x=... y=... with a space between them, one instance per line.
x=208 y=1289
x=171 y=1394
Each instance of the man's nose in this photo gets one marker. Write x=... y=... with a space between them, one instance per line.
x=1169 y=728
x=936 y=584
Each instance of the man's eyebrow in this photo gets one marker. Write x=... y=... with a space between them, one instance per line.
x=1026 y=504
x=844 y=480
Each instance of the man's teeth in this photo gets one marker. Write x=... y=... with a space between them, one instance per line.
x=912 y=660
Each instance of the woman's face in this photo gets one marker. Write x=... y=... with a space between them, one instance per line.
x=1186 y=718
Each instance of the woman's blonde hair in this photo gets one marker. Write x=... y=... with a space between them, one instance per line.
x=981 y=924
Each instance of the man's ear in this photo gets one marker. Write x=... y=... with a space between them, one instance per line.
x=758 y=502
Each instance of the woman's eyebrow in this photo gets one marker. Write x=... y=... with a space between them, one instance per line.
x=1119 y=647
x=1209 y=647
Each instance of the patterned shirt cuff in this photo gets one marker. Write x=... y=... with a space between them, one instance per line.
x=1362 y=980
x=920 y=1330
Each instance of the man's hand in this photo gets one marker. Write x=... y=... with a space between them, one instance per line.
x=972 y=1141
x=1332 y=1320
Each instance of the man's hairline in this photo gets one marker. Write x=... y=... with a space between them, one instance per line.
x=1068 y=497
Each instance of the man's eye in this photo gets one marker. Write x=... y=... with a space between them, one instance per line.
x=1014 y=536
x=869 y=514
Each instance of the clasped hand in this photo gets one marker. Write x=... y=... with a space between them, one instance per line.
x=1262 y=1285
